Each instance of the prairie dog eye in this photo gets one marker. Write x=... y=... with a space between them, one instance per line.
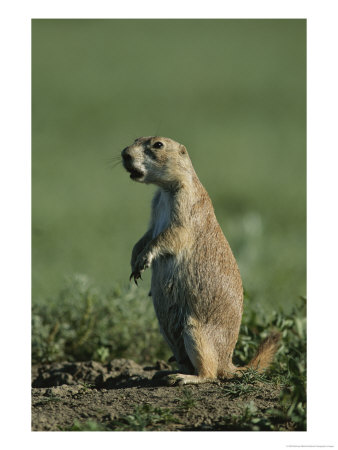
x=158 y=144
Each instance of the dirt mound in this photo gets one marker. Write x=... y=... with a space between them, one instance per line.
x=115 y=374
x=123 y=395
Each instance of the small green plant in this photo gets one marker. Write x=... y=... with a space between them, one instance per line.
x=235 y=390
x=144 y=417
x=102 y=354
x=89 y=425
x=187 y=400
x=250 y=421
x=289 y=368
x=293 y=397
x=49 y=399
x=246 y=384
x=86 y=387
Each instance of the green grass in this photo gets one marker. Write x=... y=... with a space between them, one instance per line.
x=88 y=425
x=144 y=418
x=233 y=91
x=250 y=421
x=238 y=389
x=83 y=323
x=186 y=401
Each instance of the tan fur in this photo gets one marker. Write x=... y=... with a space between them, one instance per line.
x=196 y=285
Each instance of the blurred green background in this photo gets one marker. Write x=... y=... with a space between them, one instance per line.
x=232 y=91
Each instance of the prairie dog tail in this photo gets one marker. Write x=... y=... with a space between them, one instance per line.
x=261 y=361
x=265 y=353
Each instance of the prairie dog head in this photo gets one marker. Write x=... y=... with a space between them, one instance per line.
x=157 y=160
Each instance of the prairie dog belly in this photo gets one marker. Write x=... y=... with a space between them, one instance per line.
x=164 y=265
x=168 y=293
x=166 y=268
x=165 y=274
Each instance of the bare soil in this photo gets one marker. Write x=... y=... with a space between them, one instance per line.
x=123 y=395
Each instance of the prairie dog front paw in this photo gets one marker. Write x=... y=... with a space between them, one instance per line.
x=143 y=262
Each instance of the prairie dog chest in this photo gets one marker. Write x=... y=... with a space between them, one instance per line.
x=161 y=213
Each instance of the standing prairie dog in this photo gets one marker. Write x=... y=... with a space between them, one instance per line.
x=196 y=285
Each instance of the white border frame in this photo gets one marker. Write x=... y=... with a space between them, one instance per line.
x=322 y=216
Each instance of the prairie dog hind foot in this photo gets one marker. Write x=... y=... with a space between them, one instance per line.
x=181 y=379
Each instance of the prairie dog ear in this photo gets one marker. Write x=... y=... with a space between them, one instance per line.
x=183 y=150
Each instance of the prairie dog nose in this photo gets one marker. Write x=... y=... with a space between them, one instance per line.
x=126 y=155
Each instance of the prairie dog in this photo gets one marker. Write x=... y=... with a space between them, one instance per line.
x=196 y=286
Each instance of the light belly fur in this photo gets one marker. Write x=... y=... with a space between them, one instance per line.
x=162 y=214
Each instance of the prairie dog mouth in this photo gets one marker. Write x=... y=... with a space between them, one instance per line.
x=135 y=174
x=128 y=163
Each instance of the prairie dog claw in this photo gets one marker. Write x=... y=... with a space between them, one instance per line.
x=136 y=276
